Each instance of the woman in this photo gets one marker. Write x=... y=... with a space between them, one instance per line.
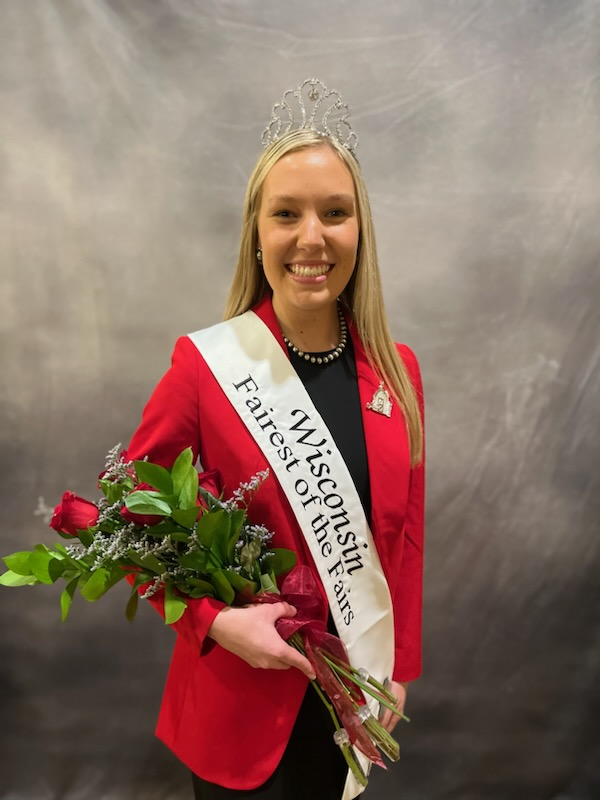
x=235 y=708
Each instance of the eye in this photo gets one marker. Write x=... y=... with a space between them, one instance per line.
x=283 y=214
x=337 y=213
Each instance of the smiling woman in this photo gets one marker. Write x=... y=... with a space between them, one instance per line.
x=308 y=231
x=306 y=341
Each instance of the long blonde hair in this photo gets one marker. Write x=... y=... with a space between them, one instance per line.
x=363 y=294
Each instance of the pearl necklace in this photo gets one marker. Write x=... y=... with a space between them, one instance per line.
x=332 y=355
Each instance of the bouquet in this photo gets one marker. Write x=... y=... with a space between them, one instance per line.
x=171 y=531
x=164 y=528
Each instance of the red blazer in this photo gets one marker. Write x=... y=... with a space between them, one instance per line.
x=227 y=721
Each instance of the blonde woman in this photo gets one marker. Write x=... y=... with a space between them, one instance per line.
x=305 y=379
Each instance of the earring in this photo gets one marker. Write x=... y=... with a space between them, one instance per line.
x=259 y=255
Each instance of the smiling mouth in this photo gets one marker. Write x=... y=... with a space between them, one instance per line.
x=309 y=270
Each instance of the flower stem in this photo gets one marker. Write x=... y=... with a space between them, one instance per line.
x=381 y=696
x=347 y=750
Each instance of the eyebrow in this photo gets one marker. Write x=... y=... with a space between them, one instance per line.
x=332 y=198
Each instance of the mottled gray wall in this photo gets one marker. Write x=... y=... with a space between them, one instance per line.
x=127 y=132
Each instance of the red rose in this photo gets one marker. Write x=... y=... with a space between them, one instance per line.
x=141 y=519
x=212 y=482
x=74 y=514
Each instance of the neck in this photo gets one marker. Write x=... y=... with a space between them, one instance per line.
x=311 y=331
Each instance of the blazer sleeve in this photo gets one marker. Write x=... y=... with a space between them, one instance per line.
x=408 y=599
x=170 y=423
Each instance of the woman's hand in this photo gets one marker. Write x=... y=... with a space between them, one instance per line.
x=250 y=633
x=387 y=718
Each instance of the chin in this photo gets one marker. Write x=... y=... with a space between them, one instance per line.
x=316 y=304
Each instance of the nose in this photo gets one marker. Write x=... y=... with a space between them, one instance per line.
x=310 y=232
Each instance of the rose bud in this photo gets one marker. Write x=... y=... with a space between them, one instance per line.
x=141 y=519
x=212 y=482
x=74 y=514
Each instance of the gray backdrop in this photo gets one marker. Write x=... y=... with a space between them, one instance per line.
x=127 y=133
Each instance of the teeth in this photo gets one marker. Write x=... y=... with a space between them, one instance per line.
x=309 y=272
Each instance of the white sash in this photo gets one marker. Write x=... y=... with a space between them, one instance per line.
x=264 y=389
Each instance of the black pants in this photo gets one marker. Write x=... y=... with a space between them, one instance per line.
x=312 y=767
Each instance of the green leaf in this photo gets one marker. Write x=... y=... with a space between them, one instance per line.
x=11 y=578
x=132 y=606
x=195 y=561
x=40 y=561
x=223 y=588
x=66 y=597
x=241 y=584
x=186 y=517
x=219 y=548
x=155 y=475
x=236 y=520
x=116 y=574
x=180 y=536
x=200 y=588
x=112 y=491
x=19 y=562
x=181 y=468
x=282 y=560
x=189 y=490
x=213 y=526
x=142 y=578
x=268 y=584
x=56 y=567
x=148 y=503
x=86 y=537
x=148 y=562
x=96 y=585
x=162 y=528
x=70 y=562
x=198 y=593
x=175 y=605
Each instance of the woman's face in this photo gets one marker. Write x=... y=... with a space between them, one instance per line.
x=308 y=230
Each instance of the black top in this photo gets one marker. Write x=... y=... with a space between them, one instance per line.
x=333 y=388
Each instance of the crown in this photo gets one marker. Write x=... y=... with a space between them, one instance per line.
x=315 y=107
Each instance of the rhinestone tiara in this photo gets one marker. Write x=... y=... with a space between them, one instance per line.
x=311 y=106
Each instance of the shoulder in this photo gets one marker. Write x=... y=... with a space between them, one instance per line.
x=407 y=355
x=185 y=349
x=413 y=369
x=186 y=358
x=410 y=361
x=192 y=343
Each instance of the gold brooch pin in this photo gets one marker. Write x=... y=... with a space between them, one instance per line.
x=381 y=402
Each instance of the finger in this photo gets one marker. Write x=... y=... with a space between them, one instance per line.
x=384 y=717
x=284 y=609
x=293 y=658
x=391 y=724
x=388 y=720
